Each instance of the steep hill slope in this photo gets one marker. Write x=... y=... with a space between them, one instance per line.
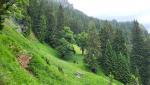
x=27 y=62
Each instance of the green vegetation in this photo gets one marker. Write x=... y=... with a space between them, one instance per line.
x=93 y=49
x=139 y=57
x=47 y=42
x=44 y=64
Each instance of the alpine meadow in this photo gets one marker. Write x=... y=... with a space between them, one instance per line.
x=54 y=42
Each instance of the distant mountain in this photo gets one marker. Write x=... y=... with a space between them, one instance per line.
x=147 y=26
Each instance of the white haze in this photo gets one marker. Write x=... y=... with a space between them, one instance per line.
x=121 y=10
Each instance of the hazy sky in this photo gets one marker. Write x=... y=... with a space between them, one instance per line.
x=121 y=10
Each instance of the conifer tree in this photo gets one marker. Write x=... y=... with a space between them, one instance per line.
x=51 y=30
x=60 y=19
x=147 y=63
x=121 y=60
x=119 y=43
x=140 y=54
x=42 y=28
x=59 y=27
x=93 y=48
x=105 y=34
x=109 y=59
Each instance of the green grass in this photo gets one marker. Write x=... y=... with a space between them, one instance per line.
x=43 y=67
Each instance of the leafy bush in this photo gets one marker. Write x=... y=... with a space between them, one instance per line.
x=65 y=48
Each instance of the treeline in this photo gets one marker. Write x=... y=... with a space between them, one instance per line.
x=120 y=49
x=3 y=9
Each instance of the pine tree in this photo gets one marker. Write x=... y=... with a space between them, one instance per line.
x=59 y=27
x=147 y=63
x=121 y=60
x=93 y=48
x=145 y=77
x=105 y=34
x=139 y=56
x=35 y=12
x=115 y=55
x=42 y=28
x=119 y=43
x=108 y=60
x=116 y=64
x=137 y=48
x=50 y=37
x=60 y=19
x=121 y=70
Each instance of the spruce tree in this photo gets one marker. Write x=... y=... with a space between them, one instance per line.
x=50 y=37
x=145 y=77
x=121 y=60
x=42 y=28
x=108 y=60
x=147 y=64
x=139 y=56
x=60 y=19
x=35 y=12
x=93 y=48
x=105 y=35
x=119 y=43
x=137 y=48
x=59 y=27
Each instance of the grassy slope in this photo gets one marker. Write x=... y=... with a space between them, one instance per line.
x=41 y=72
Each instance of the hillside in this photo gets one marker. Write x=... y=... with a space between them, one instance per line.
x=44 y=66
x=48 y=42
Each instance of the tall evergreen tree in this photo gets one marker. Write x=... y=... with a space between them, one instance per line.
x=59 y=27
x=105 y=34
x=115 y=54
x=35 y=13
x=139 y=54
x=147 y=64
x=51 y=30
x=122 y=69
x=60 y=19
x=93 y=48
x=42 y=28
x=116 y=64
x=119 y=43
x=109 y=59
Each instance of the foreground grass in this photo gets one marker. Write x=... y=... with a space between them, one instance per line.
x=44 y=65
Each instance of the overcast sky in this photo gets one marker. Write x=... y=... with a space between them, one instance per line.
x=121 y=10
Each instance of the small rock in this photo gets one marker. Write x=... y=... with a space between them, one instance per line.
x=78 y=74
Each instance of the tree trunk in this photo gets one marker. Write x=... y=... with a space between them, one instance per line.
x=1 y=13
x=82 y=49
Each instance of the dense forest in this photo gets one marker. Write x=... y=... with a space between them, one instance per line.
x=120 y=50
